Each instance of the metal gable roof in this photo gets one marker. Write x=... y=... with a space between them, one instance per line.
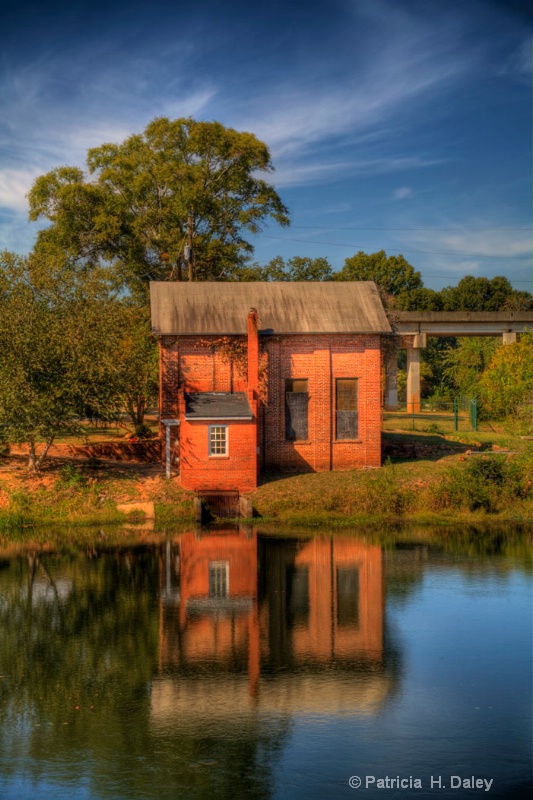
x=183 y=308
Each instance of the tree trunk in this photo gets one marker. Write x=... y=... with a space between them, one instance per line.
x=45 y=452
x=32 y=461
x=137 y=410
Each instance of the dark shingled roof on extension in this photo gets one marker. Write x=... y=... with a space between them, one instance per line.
x=217 y=405
x=218 y=308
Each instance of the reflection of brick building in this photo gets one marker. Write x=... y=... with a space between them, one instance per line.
x=325 y=600
x=294 y=388
x=215 y=618
x=316 y=612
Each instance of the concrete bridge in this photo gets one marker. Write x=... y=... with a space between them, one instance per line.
x=413 y=328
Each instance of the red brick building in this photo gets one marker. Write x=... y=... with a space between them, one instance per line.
x=269 y=377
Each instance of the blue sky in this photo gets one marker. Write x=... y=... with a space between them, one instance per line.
x=402 y=125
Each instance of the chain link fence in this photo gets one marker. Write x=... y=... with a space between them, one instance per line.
x=433 y=416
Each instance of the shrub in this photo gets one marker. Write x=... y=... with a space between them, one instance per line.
x=519 y=475
x=521 y=422
x=487 y=483
x=507 y=382
x=71 y=478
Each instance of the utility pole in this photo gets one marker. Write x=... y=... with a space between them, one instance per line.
x=188 y=247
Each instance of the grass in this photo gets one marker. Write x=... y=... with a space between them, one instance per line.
x=440 y=490
x=399 y=495
x=78 y=494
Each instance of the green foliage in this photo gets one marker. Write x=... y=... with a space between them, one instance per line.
x=393 y=274
x=435 y=384
x=463 y=365
x=71 y=478
x=484 y=294
x=136 y=359
x=133 y=210
x=519 y=476
x=420 y=299
x=521 y=422
x=507 y=383
x=55 y=331
x=486 y=483
x=297 y=268
x=4 y=444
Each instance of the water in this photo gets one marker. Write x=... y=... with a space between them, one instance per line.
x=235 y=665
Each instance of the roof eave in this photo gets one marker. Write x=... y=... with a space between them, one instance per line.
x=194 y=418
x=275 y=333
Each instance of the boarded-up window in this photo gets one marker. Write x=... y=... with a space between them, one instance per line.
x=348 y=596
x=297 y=594
x=347 y=426
x=296 y=403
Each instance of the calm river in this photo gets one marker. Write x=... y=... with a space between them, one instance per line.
x=231 y=664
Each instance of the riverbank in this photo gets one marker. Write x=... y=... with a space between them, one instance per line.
x=456 y=482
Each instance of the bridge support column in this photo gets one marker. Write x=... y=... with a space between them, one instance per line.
x=413 y=380
x=391 y=381
x=509 y=337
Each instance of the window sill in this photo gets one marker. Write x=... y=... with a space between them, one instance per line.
x=347 y=441
x=298 y=441
x=219 y=458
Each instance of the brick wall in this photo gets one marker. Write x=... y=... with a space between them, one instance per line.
x=199 y=471
x=320 y=359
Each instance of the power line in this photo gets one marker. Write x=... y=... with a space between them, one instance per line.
x=427 y=275
x=362 y=228
x=357 y=246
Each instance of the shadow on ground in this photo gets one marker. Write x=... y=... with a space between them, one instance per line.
x=414 y=447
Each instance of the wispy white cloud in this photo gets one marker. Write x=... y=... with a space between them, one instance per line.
x=519 y=64
x=469 y=248
x=52 y=117
x=298 y=174
x=371 y=100
x=366 y=112
x=471 y=242
x=402 y=193
x=190 y=105
x=14 y=185
x=295 y=119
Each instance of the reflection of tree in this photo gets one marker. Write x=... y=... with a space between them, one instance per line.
x=474 y=551
x=404 y=566
x=78 y=651
x=74 y=660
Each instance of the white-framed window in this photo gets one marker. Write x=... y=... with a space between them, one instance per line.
x=218 y=578
x=218 y=440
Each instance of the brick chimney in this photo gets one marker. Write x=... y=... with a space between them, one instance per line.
x=253 y=352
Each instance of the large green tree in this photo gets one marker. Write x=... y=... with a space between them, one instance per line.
x=55 y=351
x=393 y=275
x=142 y=201
x=484 y=294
